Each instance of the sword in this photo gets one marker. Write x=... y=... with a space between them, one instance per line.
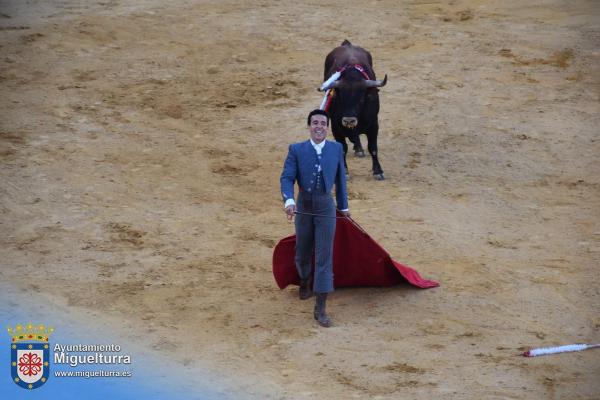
x=336 y=217
x=318 y=215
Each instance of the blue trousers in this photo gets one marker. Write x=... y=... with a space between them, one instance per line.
x=318 y=233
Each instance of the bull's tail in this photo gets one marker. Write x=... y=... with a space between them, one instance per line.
x=346 y=42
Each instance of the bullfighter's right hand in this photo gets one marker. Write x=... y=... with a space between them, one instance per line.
x=290 y=211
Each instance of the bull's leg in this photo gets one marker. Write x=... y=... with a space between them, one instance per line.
x=372 y=138
x=358 y=149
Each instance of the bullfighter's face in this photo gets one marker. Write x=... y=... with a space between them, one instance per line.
x=318 y=128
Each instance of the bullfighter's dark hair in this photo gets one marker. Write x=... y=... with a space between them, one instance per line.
x=317 y=112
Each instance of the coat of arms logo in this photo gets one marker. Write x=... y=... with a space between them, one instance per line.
x=30 y=355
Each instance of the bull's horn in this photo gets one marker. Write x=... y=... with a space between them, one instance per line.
x=332 y=85
x=327 y=84
x=369 y=83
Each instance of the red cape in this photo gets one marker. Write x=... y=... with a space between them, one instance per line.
x=357 y=261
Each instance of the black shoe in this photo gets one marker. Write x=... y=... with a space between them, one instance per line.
x=319 y=313
x=305 y=292
x=323 y=319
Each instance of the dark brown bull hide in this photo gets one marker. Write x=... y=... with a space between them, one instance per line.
x=354 y=106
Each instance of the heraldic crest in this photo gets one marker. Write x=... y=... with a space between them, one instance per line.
x=30 y=355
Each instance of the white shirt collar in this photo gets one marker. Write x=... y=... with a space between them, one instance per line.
x=318 y=147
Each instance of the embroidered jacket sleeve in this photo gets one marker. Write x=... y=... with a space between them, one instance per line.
x=341 y=194
x=288 y=177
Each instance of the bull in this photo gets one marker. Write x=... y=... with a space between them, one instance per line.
x=352 y=100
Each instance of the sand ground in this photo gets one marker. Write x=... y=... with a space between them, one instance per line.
x=141 y=145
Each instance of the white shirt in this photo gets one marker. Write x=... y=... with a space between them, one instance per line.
x=319 y=149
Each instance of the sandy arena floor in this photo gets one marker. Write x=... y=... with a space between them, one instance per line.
x=141 y=146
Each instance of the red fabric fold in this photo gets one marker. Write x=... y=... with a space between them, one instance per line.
x=357 y=261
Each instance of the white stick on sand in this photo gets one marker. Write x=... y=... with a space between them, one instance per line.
x=560 y=349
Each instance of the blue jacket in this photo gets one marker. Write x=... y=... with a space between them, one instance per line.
x=300 y=165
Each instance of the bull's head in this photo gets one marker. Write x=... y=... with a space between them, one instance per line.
x=351 y=91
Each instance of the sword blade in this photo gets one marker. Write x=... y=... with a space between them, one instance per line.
x=317 y=215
